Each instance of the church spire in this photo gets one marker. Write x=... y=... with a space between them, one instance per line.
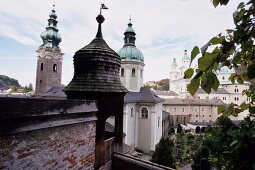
x=129 y=38
x=51 y=38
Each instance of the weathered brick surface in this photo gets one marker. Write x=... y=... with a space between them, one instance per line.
x=66 y=147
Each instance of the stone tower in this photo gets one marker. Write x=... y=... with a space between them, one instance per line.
x=49 y=57
x=132 y=62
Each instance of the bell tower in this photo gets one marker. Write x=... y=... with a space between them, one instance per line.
x=49 y=57
x=132 y=62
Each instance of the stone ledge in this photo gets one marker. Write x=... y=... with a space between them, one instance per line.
x=27 y=114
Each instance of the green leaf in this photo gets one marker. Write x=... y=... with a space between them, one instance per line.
x=193 y=86
x=221 y=109
x=251 y=71
x=240 y=81
x=233 y=143
x=216 y=3
x=206 y=85
x=224 y=2
x=244 y=106
x=236 y=58
x=209 y=81
x=194 y=53
x=216 y=82
x=215 y=40
x=252 y=110
x=188 y=73
x=206 y=61
x=241 y=5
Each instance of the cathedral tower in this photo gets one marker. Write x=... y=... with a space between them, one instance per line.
x=49 y=57
x=132 y=62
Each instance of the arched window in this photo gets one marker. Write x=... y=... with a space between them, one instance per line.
x=144 y=112
x=54 y=67
x=122 y=72
x=132 y=112
x=41 y=66
x=141 y=74
x=133 y=72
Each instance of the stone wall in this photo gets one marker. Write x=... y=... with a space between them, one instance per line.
x=47 y=134
x=65 y=147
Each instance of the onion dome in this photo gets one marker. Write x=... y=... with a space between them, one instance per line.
x=186 y=56
x=96 y=69
x=129 y=52
x=51 y=38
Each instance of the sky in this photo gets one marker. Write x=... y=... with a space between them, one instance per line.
x=164 y=29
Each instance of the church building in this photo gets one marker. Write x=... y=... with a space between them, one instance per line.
x=142 y=122
x=49 y=58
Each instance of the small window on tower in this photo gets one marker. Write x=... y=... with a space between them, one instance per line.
x=141 y=74
x=133 y=72
x=41 y=66
x=40 y=81
x=54 y=67
x=122 y=72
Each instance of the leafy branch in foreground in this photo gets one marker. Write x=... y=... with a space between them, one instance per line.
x=235 y=49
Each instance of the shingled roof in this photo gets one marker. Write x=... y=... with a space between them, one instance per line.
x=96 y=67
x=145 y=95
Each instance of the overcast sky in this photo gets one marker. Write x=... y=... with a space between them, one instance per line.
x=164 y=29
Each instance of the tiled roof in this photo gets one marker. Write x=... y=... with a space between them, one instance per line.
x=179 y=101
x=55 y=92
x=219 y=91
x=165 y=115
x=166 y=93
x=145 y=95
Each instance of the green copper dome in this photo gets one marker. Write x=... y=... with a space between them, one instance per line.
x=129 y=52
x=51 y=38
x=129 y=28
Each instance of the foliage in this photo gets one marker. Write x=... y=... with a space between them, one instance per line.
x=162 y=85
x=171 y=131
x=231 y=146
x=164 y=153
x=235 y=49
x=6 y=82
x=14 y=89
x=200 y=159
x=179 y=128
x=186 y=146
x=28 y=88
x=197 y=130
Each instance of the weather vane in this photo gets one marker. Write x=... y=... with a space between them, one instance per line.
x=54 y=5
x=102 y=7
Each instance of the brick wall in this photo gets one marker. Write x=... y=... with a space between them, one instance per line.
x=64 y=147
x=47 y=134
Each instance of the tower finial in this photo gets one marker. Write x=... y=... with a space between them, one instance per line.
x=54 y=5
x=130 y=18
x=100 y=20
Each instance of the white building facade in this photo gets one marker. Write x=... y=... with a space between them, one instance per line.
x=227 y=91
x=142 y=121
